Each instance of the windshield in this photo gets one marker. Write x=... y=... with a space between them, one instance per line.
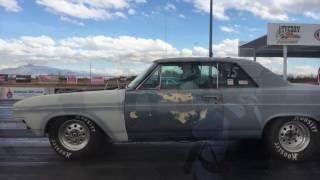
x=140 y=77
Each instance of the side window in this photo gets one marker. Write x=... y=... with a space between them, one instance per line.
x=153 y=81
x=208 y=78
x=171 y=76
x=180 y=76
x=183 y=76
x=232 y=76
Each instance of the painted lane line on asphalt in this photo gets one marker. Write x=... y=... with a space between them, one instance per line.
x=24 y=142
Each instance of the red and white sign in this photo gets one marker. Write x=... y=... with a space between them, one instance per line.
x=48 y=78
x=294 y=34
x=72 y=80
x=97 y=80
x=3 y=77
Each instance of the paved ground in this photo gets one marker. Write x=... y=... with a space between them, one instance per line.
x=22 y=156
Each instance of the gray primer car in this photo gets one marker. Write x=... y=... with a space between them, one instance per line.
x=220 y=98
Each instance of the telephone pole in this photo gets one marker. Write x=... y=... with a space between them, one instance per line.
x=210 y=30
x=90 y=71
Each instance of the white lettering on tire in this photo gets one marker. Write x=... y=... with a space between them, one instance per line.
x=313 y=127
x=285 y=154
x=88 y=122
x=59 y=150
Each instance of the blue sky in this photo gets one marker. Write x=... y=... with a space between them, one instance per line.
x=124 y=36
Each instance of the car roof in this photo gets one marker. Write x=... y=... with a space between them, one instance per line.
x=200 y=59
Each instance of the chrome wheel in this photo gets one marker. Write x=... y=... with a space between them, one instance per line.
x=74 y=135
x=294 y=136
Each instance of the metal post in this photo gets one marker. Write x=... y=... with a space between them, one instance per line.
x=285 y=62
x=210 y=30
x=90 y=70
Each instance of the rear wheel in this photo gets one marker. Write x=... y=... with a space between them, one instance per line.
x=75 y=137
x=293 y=139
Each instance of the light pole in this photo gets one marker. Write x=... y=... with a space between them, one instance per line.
x=210 y=30
x=90 y=71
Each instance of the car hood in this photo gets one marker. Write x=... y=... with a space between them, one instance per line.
x=70 y=100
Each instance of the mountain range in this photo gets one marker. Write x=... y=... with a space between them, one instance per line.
x=35 y=70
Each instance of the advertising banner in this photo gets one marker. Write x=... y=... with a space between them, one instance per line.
x=23 y=78
x=97 y=80
x=294 y=34
x=3 y=77
x=48 y=78
x=72 y=80
x=21 y=93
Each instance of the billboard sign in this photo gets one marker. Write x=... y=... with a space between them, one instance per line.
x=3 y=77
x=48 y=78
x=22 y=93
x=23 y=78
x=294 y=34
x=97 y=80
x=72 y=80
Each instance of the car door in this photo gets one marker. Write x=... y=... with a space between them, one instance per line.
x=175 y=102
x=241 y=113
x=208 y=101
x=152 y=110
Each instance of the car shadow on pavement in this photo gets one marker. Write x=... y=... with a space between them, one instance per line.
x=246 y=159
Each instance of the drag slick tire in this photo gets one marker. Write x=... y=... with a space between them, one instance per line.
x=75 y=137
x=293 y=139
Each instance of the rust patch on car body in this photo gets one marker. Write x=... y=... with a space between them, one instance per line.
x=184 y=117
x=203 y=114
x=133 y=115
x=176 y=97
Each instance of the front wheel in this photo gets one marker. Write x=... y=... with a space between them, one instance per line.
x=75 y=137
x=293 y=139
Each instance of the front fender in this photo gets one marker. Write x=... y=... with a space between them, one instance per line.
x=115 y=131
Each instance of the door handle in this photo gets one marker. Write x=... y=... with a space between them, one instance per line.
x=216 y=98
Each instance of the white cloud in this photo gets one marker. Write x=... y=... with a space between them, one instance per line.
x=182 y=16
x=170 y=7
x=122 y=49
x=129 y=52
x=140 y=1
x=265 y=9
x=227 y=29
x=71 y=21
x=227 y=48
x=6 y=66
x=10 y=5
x=131 y=12
x=90 y=9
x=304 y=70
x=313 y=15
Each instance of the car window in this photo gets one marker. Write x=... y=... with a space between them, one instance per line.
x=189 y=76
x=171 y=76
x=208 y=78
x=153 y=81
x=233 y=76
